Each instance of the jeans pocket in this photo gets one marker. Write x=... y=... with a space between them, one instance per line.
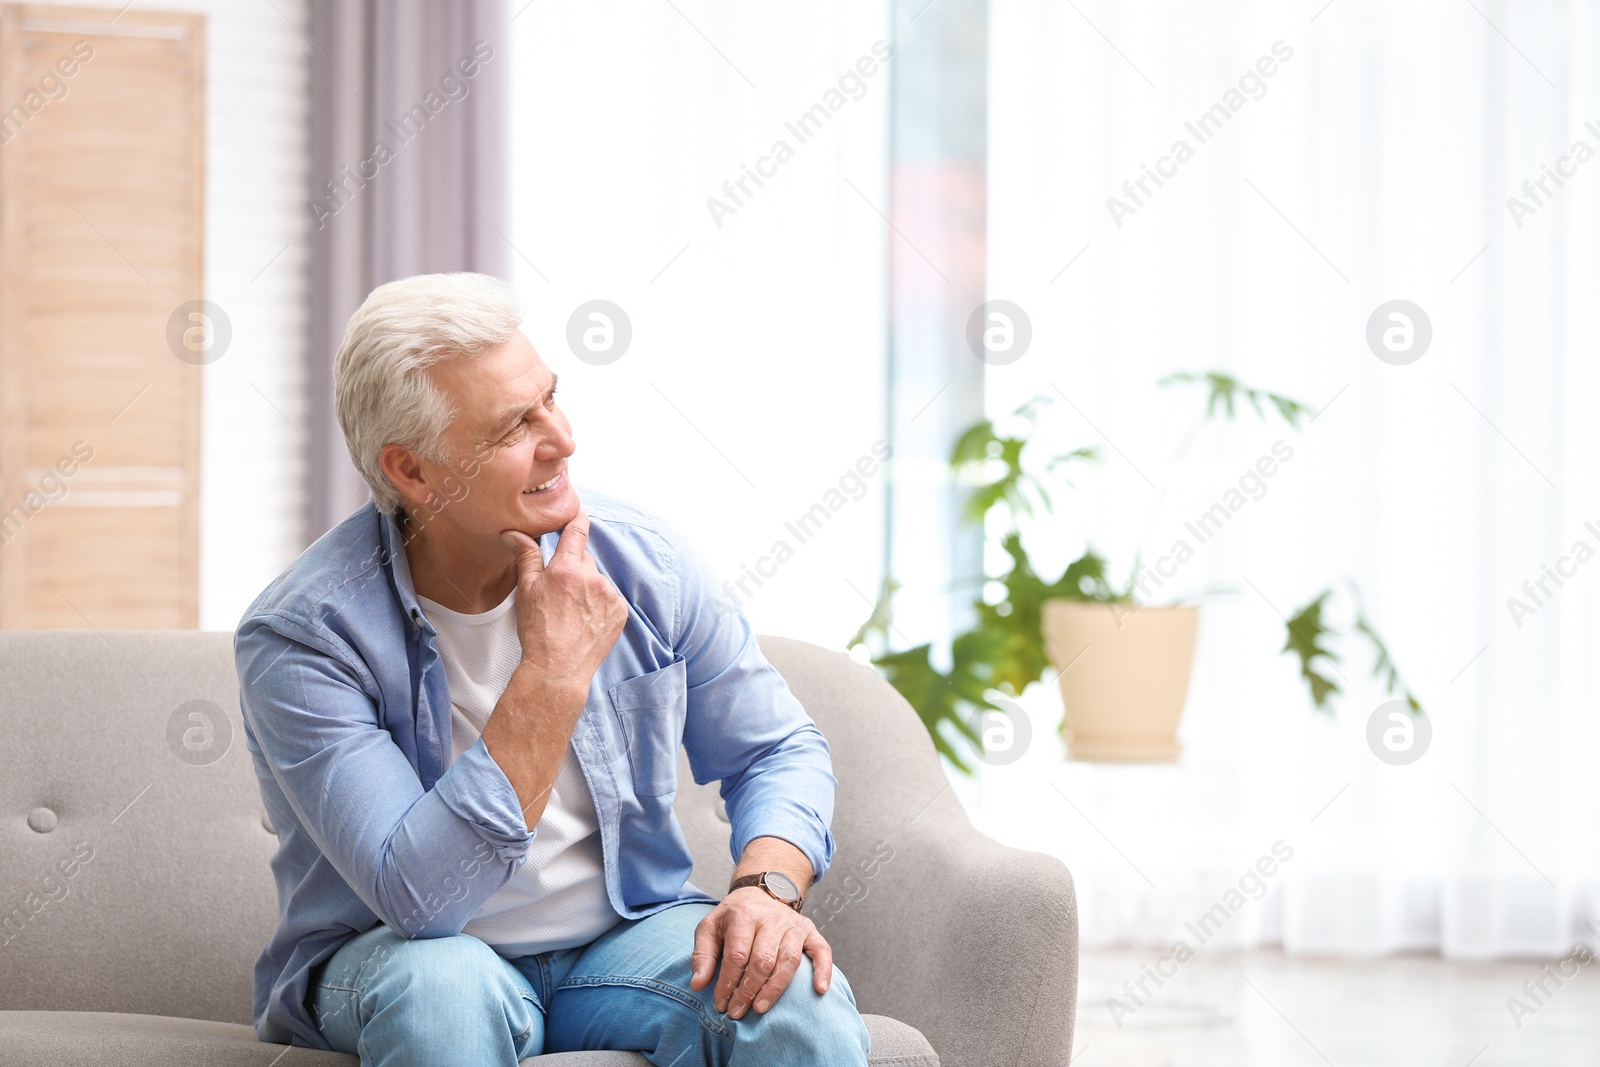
x=651 y=709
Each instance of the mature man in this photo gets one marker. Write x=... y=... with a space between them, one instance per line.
x=465 y=704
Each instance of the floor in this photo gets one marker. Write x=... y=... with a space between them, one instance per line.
x=1264 y=1009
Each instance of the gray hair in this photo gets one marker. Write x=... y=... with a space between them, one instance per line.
x=381 y=390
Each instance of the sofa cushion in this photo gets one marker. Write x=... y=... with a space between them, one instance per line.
x=112 y=1039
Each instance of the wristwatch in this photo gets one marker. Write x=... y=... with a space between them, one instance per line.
x=778 y=885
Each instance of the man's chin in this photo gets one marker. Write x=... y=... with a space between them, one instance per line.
x=552 y=509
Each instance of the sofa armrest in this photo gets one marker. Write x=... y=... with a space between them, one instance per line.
x=970 y=941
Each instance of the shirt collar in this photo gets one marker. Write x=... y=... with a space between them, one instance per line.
x=392 y=543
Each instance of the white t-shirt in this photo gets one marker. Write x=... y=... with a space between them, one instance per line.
x=557 y=898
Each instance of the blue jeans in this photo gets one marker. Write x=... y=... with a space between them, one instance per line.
x=399 y=1002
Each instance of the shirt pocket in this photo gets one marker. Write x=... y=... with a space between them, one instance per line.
x=651 y=709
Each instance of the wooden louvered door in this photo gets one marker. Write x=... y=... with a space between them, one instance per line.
x=101 y=237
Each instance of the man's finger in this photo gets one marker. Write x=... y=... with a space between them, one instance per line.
x=790 y=952
x=707 y=944
x=574 y=538
x=821 y=954
x=737 y=933
x=763 y=961
x=530 y=560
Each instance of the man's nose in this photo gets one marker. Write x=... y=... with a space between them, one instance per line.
x=557 y=443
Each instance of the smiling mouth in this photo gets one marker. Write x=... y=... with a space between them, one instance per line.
x=551 y=484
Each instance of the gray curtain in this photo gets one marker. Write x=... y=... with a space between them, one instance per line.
x=410 y=174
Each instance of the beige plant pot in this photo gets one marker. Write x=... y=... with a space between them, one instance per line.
x=1124 y=677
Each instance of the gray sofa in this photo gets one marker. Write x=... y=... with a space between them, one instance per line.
x=135 y=891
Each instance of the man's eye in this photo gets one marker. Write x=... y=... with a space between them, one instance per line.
x=550 y=401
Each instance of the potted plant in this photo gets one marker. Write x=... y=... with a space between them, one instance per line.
x=1122 y=665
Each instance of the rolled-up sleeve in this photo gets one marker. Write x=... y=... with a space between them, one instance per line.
x=744 y=726
x=422 y=860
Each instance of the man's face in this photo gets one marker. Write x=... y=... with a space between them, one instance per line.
x=508 y=438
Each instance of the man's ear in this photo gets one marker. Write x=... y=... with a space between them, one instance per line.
x=406 y=473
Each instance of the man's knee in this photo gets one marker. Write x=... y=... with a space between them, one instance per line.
x=443 y=1000
x=828 y=1024
x=433 y=978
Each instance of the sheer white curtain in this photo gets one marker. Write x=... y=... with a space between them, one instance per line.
x=1373 y=163
x=751 y=392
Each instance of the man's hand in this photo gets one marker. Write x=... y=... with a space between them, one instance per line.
x=568 y=617
x=760 y=942
x=568 y=613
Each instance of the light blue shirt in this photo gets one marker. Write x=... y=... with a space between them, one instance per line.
x=347 y=719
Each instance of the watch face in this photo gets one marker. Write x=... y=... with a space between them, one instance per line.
x=782 y=886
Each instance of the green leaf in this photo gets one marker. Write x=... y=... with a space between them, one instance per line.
x=1306 y=632
x=973 y=444
x=1225 y=390
x=935 y=699
x=1383 y=665
x=982 y=448
x=983 y=498
x=1088 y=453
x=939 y=699
x=876 y=625
x=975 y=451
x=1085 y=579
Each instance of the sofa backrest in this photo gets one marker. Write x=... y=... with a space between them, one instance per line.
x=135 y=852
